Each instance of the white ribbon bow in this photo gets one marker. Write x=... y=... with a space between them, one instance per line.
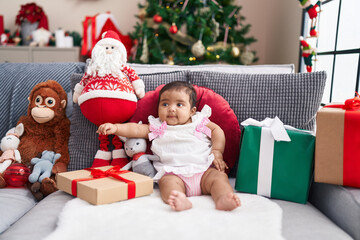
x=272 y=129
x=274 y=125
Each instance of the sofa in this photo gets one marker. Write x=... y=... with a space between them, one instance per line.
x=259 y=91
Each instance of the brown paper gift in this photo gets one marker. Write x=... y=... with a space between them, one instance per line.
x=336 y=156
x=104 y=189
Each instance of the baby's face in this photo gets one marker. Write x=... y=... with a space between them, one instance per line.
x=175 y=108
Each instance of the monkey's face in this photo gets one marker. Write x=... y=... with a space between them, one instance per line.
x=45 y=104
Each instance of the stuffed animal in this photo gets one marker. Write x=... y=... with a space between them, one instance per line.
x=313 y=12
x=108 y=92
x=43 y=166
x=140 y=162
x=40 y=37
x=46 y=127
x=307 y=53
x=9 y=147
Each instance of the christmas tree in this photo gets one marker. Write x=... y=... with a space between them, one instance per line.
x=188 y=32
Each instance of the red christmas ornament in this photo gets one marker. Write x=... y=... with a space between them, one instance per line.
x=173 y=29
x=17 y=175
x=313 y=32
x=157 y=18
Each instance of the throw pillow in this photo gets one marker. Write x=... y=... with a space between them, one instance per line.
x=294 y=98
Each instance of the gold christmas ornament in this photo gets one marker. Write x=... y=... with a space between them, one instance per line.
x=210 y=49
x=142 y=13
x=235 y=52
x=198 y=49
x=247 y=57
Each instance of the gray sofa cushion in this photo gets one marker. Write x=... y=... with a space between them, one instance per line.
x=40 y=221
x=299 y=221
x=83 y=141
x=14 y=203
x=17 y=80
x=333 y=199
x=153 y=80
x=294 y=98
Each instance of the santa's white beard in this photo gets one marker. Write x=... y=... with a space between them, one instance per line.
x=103 y=64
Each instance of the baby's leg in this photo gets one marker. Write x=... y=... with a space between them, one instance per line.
x=172 y=190
x=217 y=184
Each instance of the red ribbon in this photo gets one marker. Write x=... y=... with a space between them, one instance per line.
x=351 y=149
x=111 y=172
x=350 y=104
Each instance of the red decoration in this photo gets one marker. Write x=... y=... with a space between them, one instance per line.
x=157 y=18
x=92 y=24
x=313 y=32
x=32 y=13
x=173 y=29
x=17 y=175
x=1 y=24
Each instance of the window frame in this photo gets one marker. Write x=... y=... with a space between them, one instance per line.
x=334 y=52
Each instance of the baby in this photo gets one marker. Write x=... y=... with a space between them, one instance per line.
x=190 y=149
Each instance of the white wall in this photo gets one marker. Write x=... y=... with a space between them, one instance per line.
x=276 y=23
x=69 y=14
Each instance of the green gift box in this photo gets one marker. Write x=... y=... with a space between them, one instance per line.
x=276 y=169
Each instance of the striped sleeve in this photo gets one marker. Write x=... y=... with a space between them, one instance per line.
x=130 y=73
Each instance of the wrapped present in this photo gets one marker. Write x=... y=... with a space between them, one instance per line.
x=104 y=185
x=275 y=160
x=95 y=26
x=337 y=151
x=2 y=30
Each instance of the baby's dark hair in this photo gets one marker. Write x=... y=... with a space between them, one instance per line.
x=181 y=85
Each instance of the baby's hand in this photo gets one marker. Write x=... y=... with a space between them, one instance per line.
x=218 y=162
x=107 y=129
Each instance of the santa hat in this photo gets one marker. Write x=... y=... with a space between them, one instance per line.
x=110 y=37
x=304 y=44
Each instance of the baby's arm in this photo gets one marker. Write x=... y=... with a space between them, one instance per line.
x=218 y=146
x=129 y=130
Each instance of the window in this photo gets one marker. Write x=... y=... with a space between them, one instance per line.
x=338 y=48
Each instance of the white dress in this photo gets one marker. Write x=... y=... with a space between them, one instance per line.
x=183 y=149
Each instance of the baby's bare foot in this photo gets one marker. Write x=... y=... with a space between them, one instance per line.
x=228 y=202
x=178 y=201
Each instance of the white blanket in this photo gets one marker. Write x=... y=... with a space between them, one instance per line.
x=149 y=218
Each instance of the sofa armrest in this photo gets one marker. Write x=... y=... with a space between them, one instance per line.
x=41 y=220
x=340 y=204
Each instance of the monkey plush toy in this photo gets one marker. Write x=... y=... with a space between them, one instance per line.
x=46 y=127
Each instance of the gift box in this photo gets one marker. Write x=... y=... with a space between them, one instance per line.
x=337 y=151
x=276 y=160
x=2 y=30
x=104 y=185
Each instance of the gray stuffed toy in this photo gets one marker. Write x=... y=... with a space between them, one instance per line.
x=140 y=162
x=43 y=166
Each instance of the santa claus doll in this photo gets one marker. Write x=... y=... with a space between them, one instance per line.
x=108 y=92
